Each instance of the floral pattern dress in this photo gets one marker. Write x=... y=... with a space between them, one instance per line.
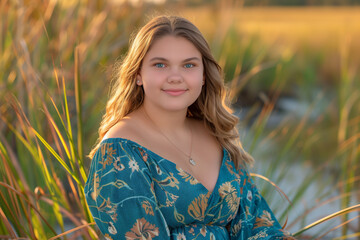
x=133 y=193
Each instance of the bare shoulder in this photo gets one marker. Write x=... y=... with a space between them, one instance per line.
x=129 y=128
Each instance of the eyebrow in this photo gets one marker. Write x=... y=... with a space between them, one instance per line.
x=165 y=60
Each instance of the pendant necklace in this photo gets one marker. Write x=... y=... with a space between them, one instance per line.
x=191 y=161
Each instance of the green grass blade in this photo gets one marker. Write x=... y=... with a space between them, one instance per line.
x=29 y=204
x=58 y=158
x=348 y=236
x=72 y=230
x=69 y=128
x=79 y=113
x=322 y=220
x=50 y=118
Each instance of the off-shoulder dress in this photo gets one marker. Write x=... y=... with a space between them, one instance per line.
x=133 y=193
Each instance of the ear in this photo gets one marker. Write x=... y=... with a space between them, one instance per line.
x=203 y=81
x=138 y=79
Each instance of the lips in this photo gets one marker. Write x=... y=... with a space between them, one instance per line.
x=175 y=92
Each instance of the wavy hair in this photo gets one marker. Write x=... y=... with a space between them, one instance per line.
x=210 y=107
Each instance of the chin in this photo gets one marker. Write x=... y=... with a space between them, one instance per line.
x=176 y=108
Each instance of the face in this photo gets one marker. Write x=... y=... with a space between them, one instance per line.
x=172 y=74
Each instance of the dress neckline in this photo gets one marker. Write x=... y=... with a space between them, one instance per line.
x=148 y=151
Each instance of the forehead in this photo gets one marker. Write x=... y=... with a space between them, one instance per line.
x=172 y=48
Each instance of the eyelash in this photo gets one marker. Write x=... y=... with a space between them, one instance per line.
x=192 y=65
x=157 y=65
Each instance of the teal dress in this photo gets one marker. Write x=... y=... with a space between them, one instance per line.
x=134 y=193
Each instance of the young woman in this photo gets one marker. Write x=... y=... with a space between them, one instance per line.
x=168 y=163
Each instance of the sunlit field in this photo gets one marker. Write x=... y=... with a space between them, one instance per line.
x=315 y=25
x=294 y=81
x=328 y=31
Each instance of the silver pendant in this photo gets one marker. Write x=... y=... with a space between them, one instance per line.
x=192 y=162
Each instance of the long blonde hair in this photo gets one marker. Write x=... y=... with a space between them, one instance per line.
x=211 y=105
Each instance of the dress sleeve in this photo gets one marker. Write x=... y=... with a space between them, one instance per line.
x=120 y=195
x=254 y=218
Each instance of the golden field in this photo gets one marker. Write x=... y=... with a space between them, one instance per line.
x=293 y=24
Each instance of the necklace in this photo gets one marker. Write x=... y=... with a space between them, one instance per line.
x=191 y=160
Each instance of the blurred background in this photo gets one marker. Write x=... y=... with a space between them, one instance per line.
x=293 y=72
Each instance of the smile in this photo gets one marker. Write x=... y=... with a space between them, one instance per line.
x=175 y=92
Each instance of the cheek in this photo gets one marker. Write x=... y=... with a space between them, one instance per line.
x=153 y=77
x=197 y=79
x=151 y=85
x=149 y=78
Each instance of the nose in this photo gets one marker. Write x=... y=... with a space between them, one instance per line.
x=175 y=77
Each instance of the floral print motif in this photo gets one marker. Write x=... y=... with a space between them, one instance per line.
x=170 y=181
x=107 y=151
x=142 y=230
x=107 y=237
x=198 y=206
x=187 y=177
x=134 y=193
x=118 y=165
x=228 y=192
x=112 y=228
x=181 y=236
x=148 y=208
x=203 y=230
x=259 y=235
x=133 y=165
x=264 y=220
x=249 y=196
x=236 y=228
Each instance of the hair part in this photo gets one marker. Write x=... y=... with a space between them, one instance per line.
x=211 y=105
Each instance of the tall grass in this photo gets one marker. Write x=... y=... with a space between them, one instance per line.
x=53 y=65
x=43 y=50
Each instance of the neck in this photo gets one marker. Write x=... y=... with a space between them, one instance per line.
x=166 y=120
x=170 y=123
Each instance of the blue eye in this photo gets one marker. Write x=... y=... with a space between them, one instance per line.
x=189 y=65
x=159 y=65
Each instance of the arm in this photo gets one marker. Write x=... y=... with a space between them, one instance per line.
x=119 y=192
x=254 y=219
